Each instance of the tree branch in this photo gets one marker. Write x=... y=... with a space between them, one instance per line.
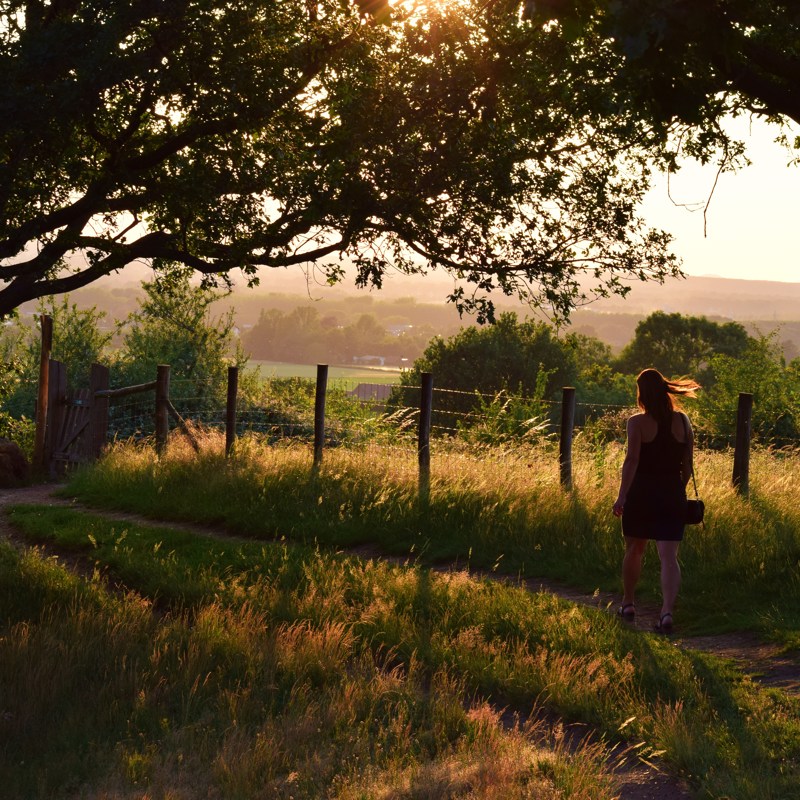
x=777 y=97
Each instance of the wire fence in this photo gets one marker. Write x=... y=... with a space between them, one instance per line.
x=401 y=421
x=382 y=421
x=360 y=414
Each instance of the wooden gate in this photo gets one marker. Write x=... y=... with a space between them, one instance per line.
x=72 y=425
x=77 y=419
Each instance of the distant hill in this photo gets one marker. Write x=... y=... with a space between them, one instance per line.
x=759 y=305
x=712 y=297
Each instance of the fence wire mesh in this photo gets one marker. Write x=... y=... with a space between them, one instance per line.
x=377 y=420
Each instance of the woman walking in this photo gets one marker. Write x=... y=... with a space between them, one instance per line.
x=652 y=492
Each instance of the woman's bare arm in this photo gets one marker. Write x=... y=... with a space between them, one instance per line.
x=630 y=464
x=688 y=451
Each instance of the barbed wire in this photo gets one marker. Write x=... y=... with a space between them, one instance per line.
x=370 y=418
x=278 y=416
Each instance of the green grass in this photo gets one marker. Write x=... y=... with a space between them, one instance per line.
x=279 y=369
x=288 y=670
x=494 y=509
x=275 y=674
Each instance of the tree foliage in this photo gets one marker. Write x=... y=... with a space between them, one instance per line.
x=598 y=383
x=679 y=345
x=19 y=429
x=78 y=342
x=174 y=325
x=761 y=371
x=476 y=365
x=689 y=62
x=230 y=136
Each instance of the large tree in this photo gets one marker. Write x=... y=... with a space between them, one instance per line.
x=240 y=135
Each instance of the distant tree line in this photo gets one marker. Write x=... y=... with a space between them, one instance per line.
x=305 y=336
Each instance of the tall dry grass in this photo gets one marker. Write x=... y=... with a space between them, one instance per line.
x=311 y=673
x=491 y=508
x=259 y=692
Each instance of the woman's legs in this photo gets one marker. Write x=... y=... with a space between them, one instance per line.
x=670 y=574
x=631 y=567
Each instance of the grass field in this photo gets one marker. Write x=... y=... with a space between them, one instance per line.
x=231 y=670
x=489 y=507
x=278 y=369
x=279 y=667
x=286 y=671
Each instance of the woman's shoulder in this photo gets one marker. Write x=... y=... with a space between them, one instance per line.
x=681 y=426
x=639 y=425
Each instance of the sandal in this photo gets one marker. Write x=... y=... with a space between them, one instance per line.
x=664 y=624
x=627 y=612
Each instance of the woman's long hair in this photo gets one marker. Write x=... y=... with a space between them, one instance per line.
x=659 y=396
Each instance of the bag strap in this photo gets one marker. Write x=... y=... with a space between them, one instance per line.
x=694 y=482
x=686 y=429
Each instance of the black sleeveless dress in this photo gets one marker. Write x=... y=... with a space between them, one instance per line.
x=655 y=507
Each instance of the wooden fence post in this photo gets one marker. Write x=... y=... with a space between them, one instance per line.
x=56 y=393
x=162 y=407
x=43 y=394
x=98 y=425
x=741 y=455
x=424 y=437
x=565 y=442
x=230 y=409
x=319 y=413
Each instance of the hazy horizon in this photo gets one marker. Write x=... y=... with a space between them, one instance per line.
x=703 y=294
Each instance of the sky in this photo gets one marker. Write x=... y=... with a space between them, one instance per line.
x=753 y=220
x=752 y=225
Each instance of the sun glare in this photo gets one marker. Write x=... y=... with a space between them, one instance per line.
x=420 y=6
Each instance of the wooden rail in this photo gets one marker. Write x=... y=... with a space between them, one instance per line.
x=125 y=391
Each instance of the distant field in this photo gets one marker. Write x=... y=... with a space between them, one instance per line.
x=279 y=369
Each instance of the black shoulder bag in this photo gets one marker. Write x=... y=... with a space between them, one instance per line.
x=695 y=509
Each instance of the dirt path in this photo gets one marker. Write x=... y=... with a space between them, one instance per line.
x=764 y=662
x=638 y=781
